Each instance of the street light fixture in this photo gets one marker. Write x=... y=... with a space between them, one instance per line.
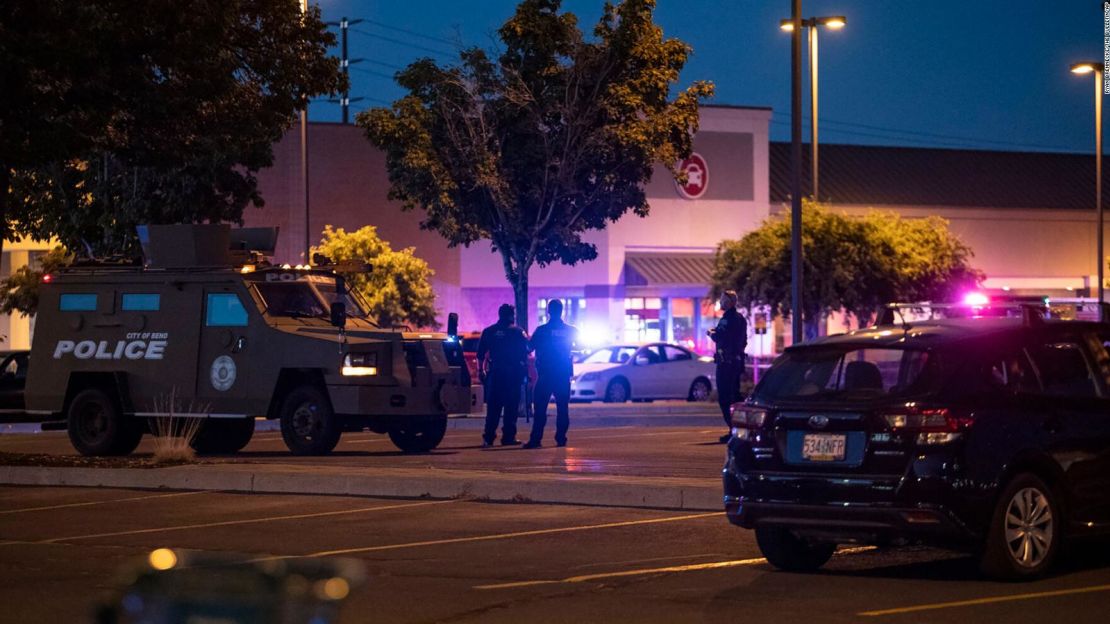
x=1097 y=69
x=832 y=22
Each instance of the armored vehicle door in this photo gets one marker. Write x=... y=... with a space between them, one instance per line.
x=223 y=357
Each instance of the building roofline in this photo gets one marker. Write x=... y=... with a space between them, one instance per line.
x=919 y=148
x=736 y=107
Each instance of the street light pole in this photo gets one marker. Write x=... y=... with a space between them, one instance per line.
x=796 y=173
x=304 y=160
x=834 y=22
x=794 y=26
x=1098 y=185
x=813 y=106
x=1097 y=69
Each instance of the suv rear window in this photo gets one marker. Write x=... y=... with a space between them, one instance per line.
x=849 y=374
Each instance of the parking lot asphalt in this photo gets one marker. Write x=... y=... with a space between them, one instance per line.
x=460 y=561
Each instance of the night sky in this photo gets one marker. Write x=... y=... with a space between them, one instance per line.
x=944 y=73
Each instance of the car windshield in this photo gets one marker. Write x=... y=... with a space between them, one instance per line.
x=830 y=374
x=610 y=355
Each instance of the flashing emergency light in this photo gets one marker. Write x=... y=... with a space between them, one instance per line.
x=976 y=299
x=592 y=335
x=46 y=279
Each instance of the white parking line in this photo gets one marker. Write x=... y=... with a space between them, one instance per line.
x=714 y=565
x=607 y=575
x=974 y=602
x=499 y=536
x=208 y=525
x=100 y=502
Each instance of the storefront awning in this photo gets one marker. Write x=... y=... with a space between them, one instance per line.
x=668 y=269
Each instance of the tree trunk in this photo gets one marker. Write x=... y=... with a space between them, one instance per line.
x=520 y=295
x=811 y=325
x=518 y=278
x=5 y=182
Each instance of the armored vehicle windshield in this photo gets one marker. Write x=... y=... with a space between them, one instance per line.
x=298 y=296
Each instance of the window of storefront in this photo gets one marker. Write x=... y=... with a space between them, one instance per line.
x=643 y=319
x=684 y=324
x=571 y=308
x=709 y=317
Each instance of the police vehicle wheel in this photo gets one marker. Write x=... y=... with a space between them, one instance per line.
x=308 y=424
x=786 y=551
x=96 y=426
x=617 y=391
x=220 y=436
x=419 y=435
x=700 y=390
x=1024 y=536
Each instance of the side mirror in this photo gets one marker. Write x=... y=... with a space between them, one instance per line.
x=641 y=360
x=339 y=314
x=453 y=325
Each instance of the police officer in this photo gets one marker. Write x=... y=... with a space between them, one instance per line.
x=553 y=342
x=731 y=337
x=506 y=345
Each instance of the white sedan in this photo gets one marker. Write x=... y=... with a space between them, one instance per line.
x=618 y=373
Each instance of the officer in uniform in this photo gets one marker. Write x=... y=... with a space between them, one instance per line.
x=553 y=343
x=506 y=345
x=731 y=337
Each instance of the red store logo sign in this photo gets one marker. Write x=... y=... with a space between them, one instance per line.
x=697 y=177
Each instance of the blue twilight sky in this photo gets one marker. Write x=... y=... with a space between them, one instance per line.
x=988 y=74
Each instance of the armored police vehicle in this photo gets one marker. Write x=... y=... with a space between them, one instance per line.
x=204 y=330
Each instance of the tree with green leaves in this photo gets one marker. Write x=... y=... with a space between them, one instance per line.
x=115 y=113
x=554 y=137
x=851 y=264
x=397 y=289
x=19 y=292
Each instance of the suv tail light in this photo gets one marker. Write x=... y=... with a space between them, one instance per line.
x=932 y=426
x=746 y=419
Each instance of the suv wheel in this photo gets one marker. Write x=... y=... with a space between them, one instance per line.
x=419 y=435
x=308 y=424
x=786 y=551
x=1024 y=534
x=617 y=391
x=222 y=436
x=97 y=427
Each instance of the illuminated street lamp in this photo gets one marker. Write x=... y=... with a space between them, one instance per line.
x=832 y=22
x=1097 y=70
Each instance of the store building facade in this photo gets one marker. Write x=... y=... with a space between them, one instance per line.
x=649 y=280
x=1028 y=216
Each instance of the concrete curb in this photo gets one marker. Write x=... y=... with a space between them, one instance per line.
x=624 y=417
x=609 y=491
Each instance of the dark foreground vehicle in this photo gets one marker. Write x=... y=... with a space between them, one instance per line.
x=990 y=435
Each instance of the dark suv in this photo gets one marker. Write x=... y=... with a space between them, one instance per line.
x=990 y=435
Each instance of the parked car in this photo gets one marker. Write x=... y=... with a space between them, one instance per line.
x=659 y=370
x=986 y=434
x=13 y=378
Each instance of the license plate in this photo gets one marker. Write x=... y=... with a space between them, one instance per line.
x=823 y=447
